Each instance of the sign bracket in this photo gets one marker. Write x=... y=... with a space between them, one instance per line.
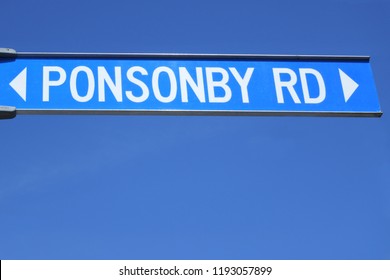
x=7 y=53
x=7 y=112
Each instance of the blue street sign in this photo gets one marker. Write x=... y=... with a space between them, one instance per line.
x=188 y=84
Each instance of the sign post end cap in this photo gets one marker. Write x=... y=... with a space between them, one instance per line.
x=7 y=52
x=7 y=112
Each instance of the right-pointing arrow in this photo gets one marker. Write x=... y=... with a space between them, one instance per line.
x=19 y=84
x=349 y=85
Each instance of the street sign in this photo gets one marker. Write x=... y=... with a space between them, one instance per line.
x=187 y=84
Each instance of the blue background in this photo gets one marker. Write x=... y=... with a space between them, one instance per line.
x=148 y=187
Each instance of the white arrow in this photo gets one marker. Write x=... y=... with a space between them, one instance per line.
x=19 y=84
x=349 y=85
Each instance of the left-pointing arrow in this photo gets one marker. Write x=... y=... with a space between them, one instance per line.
x=19 y=84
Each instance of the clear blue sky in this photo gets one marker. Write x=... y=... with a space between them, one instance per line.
x=155 y=187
